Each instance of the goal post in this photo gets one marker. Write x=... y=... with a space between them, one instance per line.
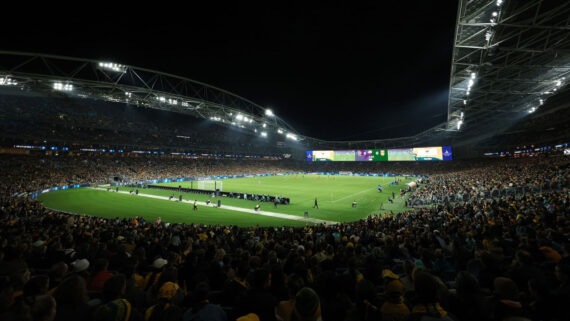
x=210 y=185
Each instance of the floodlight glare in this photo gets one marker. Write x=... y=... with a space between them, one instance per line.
x=473 y=75
x=494 y=13
x=280 y=131
x=264 y=125
x=113 y=67
x=62 y=87
x=264 y=134
x=7 y=82
x=559 y=83
x=269 y=113
x=291 y=136
x=470 y=82
x=239 y=117
x=499 y=3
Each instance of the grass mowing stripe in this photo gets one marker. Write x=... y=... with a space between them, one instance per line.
x=302 y=192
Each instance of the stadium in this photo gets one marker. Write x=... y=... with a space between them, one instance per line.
x=300 y=177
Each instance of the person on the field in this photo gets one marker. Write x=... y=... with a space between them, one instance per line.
x=316 y=204
x=195 y=205
x=275 y=202
x=171 y=197
x=208 y=202
x=354 y=204
x=257 y=207
x=137 y=191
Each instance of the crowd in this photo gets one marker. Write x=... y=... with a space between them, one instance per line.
x=502 y=258
x=73 y=121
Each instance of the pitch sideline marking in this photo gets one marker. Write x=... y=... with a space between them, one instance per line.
x=237 y=209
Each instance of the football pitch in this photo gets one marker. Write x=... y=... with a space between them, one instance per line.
x=335 y=195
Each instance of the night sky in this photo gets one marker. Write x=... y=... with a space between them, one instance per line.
x=334 y=71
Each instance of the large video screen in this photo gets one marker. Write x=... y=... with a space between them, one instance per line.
x=344 y=156
x=438 y=153
x=323 y=155
x=402 y=154
x=428 y=154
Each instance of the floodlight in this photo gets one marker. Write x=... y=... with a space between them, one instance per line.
x=269 y=113
x=468 y=92
x=470 y=82
x=473 y=75
x=459 y=123
x=113 y=67
x=494 y=14
x=7 y=82
x=559 y=83
x=245 y=119
x=239 y=117
x=264 y=125
x=184 y=104
x=541 y=101
x=128 y=94
x=291 y=136
x=461 y=115
x=464 y=102
x=280 y=131
x=264 y=134
x=499 y=3
x=62 y=87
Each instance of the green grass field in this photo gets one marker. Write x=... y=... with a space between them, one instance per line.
x=335 y=195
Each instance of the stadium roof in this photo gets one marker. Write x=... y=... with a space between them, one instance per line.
x=509 y=57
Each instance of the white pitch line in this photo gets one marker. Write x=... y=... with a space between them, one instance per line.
x=350 y=196
x=237 y=209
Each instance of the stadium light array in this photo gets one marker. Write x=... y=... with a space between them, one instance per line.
x=62 y=87
x=128 y=94
x=264 y=125
x=291 y=136
x=494 y=14
x=473 y=75
x=239 y=117
x=532 y=110
x=113 y=67
x=5 y=81
x=499 y=3
x=541 y=101
x=264 y=134
x=215 y=118
x=280 y=131
x=459 y=123
x=269 y=112
x=184 y=104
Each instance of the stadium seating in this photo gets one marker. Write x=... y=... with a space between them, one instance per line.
x=487 y=240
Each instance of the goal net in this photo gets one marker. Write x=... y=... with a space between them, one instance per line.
x=210 y=185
